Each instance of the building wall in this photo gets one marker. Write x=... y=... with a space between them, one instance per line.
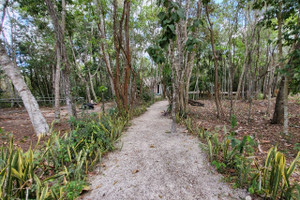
x=158 y=89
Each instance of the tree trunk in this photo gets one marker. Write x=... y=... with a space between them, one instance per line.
x=59 y=31
x=285 y=106
x=38 y=121
x=174 y=88
x=104 y=46
x=88 y=93
x=279 y=112
x=56 y=86
x=220 y=112
x=281 y=100
x=269 y=85
x=92 y=86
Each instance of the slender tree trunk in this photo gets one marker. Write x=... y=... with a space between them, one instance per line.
x=88 y=92
x=248 y=53
x=285 y=106
x=38 y=121
x=196 y=87
x=56 y=86
x=279 y=112
x=231 y=75
x=220 y=112
x=104 y=46
x=281 y=100
x=59 y=31
x=269 y=85
x=92 y=86
x=174 y=88
x=141 y=85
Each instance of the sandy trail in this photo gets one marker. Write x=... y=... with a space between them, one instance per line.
x=155 y=164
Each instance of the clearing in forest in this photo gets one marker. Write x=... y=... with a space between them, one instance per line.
x=152 y=163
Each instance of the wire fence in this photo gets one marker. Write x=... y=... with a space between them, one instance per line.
x=44 y=101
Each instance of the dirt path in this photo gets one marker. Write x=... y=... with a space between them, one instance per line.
x=155 y=164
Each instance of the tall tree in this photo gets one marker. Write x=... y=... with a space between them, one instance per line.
x=217 y=84
x=180 y=22
x=60 y=37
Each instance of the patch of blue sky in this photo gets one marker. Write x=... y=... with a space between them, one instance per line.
x=218 y=1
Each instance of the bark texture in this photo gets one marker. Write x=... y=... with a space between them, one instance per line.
x=220 y=112
x=60 y=37
x=37 y=119
x=56 y=86
x=278 y=115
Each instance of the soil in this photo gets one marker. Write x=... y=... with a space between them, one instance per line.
x=259 y=126
x=152 y=163
x=16 y=121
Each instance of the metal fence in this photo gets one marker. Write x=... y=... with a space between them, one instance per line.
x=40 y=100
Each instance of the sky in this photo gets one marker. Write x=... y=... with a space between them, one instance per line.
x=218 y=1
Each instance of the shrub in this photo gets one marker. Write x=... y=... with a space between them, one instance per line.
x=260 y=96
x=237 y=156
x=58 y=170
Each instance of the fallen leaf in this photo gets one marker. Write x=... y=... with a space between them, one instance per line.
x=99 y=186
x=86 y=188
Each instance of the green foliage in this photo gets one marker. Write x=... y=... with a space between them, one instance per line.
x=102 y=89
x=201 y=133
x=146 y=96
x=156 y=53
x=260 y=96
x=20 y=174
x=74 y=188
x=220 y=166
x=297 y=146
x=188 y=124
x=233 y=121
x=138 y=111
x=276 y=174
x=58 y=170
x=271 y=180
x=293 y=70
x=4 y=135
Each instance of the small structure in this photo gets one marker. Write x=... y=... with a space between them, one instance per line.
x=159 y=89
x=155 y=85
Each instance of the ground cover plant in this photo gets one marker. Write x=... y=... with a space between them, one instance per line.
x=269 y=177
x=241 y=56
x=58 y=168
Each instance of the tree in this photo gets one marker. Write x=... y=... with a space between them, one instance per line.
x=217 y=85
x=179 y=21
x=37 y=119
x=60 y=37
x=122 y=51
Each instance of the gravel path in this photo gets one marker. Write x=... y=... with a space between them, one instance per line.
x=155 y=164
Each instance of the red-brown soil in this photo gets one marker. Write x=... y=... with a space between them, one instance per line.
x=259 y=126
x=16 y=121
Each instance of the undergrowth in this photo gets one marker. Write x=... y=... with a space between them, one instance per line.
x=236 y=159
x=58 y=169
